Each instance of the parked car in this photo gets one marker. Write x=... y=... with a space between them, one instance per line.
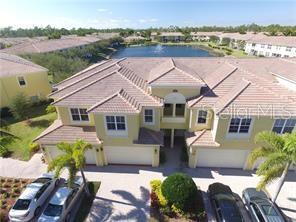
x=261 y=208
x=29 y=203
x=224 y=203
x=61 y=204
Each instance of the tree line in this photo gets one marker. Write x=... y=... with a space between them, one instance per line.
x=51 y=32
x=63 y=64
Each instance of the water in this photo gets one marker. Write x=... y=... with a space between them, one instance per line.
x=161 y=51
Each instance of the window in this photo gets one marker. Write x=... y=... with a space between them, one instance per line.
x=288 y=49
x=21 y=81
x=41 y=190
x=115 y=123
x=253 y=44
x=262 y=46
x=148 y=115
x=79 y=114
x=180 y=109
x=239 y=125
x=269 y=46
x=257 y=213
x=168 y=109
x=202 y=116
x=282 y=126
x=267 y=54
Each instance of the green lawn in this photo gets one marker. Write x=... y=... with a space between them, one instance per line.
x=86 y=201
x=28 y=131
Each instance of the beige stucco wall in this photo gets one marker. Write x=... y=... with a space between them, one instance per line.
x=132 y=123
x=65 y=117
x=36 y=84
x=185 y=91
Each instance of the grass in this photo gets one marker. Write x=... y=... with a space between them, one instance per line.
x=86 y=201
x=26 y=132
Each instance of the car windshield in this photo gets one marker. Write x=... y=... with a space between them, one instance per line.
x=42 y=180
x=21 y=204
x=53 y=210
x=269 y=210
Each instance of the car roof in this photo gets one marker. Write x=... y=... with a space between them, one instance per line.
x=270 y=211
x=30 y=191
x=60 y=195
x=255 y=194
x=216 y=188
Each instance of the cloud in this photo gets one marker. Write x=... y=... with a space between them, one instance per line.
x=102 y=10
x=150 y=20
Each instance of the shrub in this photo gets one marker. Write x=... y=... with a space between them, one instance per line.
x=5 y=112
x=156 y=187
x=20 y=106
x=4 y=152
x=50 y=109
x=228 y=53
x=33 y=147
x=179 y=190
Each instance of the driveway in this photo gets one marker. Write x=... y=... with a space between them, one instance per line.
x=124 y=192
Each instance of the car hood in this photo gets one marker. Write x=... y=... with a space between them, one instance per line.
x=17 y=213
x=44 y=218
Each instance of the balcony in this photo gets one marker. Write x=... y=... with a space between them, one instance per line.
x=174 y=113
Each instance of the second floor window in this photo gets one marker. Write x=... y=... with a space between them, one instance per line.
x=79 y=114
x=202 y=116
x=115 y=122
x=148 y=116
x=282 y=126
x=21 y=81
x=269 y=46
x=288 y=49
x=239 y=125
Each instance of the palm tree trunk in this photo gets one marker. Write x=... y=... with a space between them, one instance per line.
x=281 y=182
x=85 y=183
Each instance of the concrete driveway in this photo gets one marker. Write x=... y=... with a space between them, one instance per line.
x=124 y=193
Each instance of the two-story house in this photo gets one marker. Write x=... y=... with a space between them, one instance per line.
x=126 y=107
x=18 y=75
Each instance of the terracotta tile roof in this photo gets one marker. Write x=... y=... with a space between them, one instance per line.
x=171 y=34
x=150 y=137
x=47 y=45
x=11 y=65
x=274 y=40
x=200 y=138
x=58 y=132
x=120 y=102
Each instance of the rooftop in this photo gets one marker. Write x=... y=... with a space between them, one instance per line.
x=11 y=65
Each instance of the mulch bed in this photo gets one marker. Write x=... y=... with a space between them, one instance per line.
x=10 y=189
x=157 y=214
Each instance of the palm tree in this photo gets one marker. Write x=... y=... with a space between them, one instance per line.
x=278 y=152
x=72 y=159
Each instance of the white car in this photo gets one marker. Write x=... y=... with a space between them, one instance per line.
x=29 y=203
x=60 y=205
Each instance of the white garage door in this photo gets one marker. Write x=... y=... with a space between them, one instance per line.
x=90 y=157
x=129 y=155
x=221 y=158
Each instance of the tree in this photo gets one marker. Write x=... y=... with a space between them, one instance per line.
x=278 y=152
x=72 y=159
x=19 y=106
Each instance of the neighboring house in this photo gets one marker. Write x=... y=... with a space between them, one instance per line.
x=203 y=36
x=18 y=75
x=128 y=109
x=272 y=46
x=134 y=38
x=49 y=45
x=171 y=37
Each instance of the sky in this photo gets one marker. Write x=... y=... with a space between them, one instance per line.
x=144 y=14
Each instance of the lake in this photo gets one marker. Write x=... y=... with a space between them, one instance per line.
x=161 y=51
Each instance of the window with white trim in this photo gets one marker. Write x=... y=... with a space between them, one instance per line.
x=148 y=116
x=115 y=123
x=79 y=114
x=282 y=126
x=21 y=80
x=202 y=116
x=288 y=49
x=239 y=125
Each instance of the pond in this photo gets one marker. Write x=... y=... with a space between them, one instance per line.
x=161 y=51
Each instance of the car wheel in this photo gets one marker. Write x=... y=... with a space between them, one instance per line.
x=68 y=217
x=37 y=211
x=57 y=182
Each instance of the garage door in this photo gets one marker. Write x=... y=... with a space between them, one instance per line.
x=90 y=157
x=129 y=155
x=221 y=158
